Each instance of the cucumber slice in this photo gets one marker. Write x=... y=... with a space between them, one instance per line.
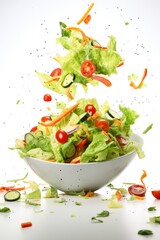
x=68 y=80
x=12 y=195
x=111 y=114
x=28 y=137
x=84 y=117
x=68 y=150
x=95 y=43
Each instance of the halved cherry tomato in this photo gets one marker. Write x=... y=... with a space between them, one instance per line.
x=137 y=190
x=103 y=124
x=61 y=136
x=47 y=98
x=33 y=129
x=56 y=72
x=45 y=118
x=90 y=109
x=88 y=68
x=156 y=193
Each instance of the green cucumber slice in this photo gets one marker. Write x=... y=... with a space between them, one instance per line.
x=12 y=195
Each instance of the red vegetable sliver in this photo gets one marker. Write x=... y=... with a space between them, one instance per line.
x=26 y=224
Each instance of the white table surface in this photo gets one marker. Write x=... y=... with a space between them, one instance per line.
x=27 y=43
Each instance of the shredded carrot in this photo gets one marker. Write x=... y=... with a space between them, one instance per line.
x=76 y=160
x=132 y=84
x=85 y=130
x=121 y=63
x=87 y=19
x=94 y=116
x=84 y=37
x=105 y=133
x=56 y=78
x=117 y=122
x=11 y=188
x=69 y=95
x=89 y=194
x=139 y=198
x=63 y=114
x=26 y=224
x=51 y=160
x=143 y=176
x=118 y=195
x=85 y=14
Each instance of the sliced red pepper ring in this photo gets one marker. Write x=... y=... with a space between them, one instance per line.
x=137 y=190
x=156 y=193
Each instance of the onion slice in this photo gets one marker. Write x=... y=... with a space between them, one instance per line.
x=71 y=129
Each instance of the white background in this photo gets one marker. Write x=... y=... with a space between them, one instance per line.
x=27 y=43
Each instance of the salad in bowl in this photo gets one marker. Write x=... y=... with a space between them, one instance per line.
x=81 y=133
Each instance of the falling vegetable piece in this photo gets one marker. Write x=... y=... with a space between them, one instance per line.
x=84 y=37
x=118 y=195
x=144 y=175
x=26 y=224
x=87 y=19
x=137 y=190
x=85 y=14
x=12 y=195
x=132 y=84
x=63 y=114
x=103 y=80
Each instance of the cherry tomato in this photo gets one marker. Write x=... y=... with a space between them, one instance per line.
x=156 y=193
x=103 y=124
x=137 y=190
x=56 y=72
x=33 y=129
x=90 y=109
x=47 y=98
x=61 y=136
x=88 y=68
x=45 y=118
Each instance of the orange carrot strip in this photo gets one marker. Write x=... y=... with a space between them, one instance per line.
x=87 y=19
x=143 y=176
x=56 y=78
x=85 y=14
x=103 y=80
x=79 y=30
x=89 y=194
x=63 y=114
x=26 y=224
x=139 y=198
x=69 y=95
x=132 y=84
x=118 y=195
x=94 y=116
x=76 y=160
x=121 y=64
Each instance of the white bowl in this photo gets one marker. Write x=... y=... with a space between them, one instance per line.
x=82 y=176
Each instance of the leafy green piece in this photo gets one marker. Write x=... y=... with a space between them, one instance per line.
x=96 y=220
x=62 y=200
x=52 y=193
x=114 y=204
x=104 y=213
x=29 y=202
x=152 y=208
x=18 y=179
x=148 y=128
x=155 y=219
x=5 y=210
x=145 y=232
x=64 y=32
x=34 y=195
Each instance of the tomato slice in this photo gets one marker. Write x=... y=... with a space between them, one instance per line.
x=61 y=136
x=45 y=118
x=137 y=190
x=103 y=124
x=56 y=72
x=34 y=129
x=90 y=109
x=156 y=193
x=47 y=98
x=88 y=68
